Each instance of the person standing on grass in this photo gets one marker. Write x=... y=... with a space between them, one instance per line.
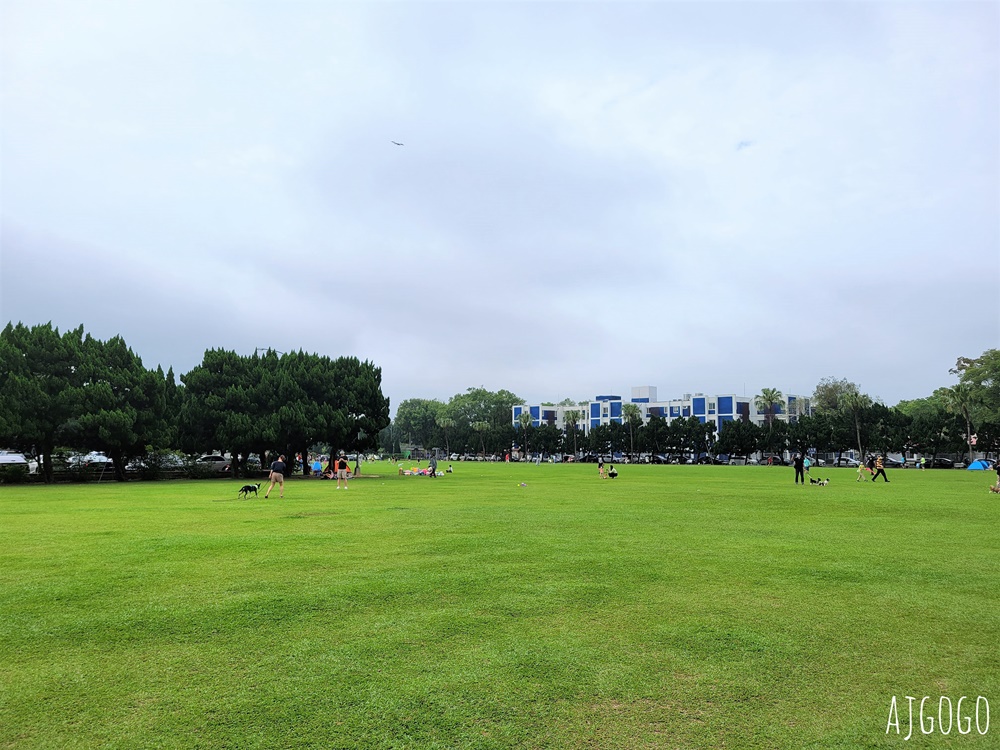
x=800 y=472
x=277 y=477
x=879 y=469
x=433 y=467
x=862 y=472
x=342 y=469
x=600 y=468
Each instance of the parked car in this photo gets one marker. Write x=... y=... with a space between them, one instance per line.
x=846 y=461
x=164 y=460
x=947 y=463
x=9 y=458
x=772 y=459
x=714 y=460
x=94 y=459
x=216 y=463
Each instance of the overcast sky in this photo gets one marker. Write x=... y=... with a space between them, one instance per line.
x=715 y=197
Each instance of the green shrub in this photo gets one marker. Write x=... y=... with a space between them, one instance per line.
x=14 y=474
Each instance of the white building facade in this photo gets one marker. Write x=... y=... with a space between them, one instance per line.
x=719 y=408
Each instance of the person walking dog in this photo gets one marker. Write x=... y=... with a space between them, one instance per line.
x=277 y=477
x=799 y=464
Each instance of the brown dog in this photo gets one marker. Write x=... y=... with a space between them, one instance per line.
x=995 y=489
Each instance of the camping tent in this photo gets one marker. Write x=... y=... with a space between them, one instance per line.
x=979 y=465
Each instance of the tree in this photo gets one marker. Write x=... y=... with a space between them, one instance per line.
x=931 y=429
x=654 y=436
x=601 y=439
x=573 y=417
x=982 y=376
x=548 y=438
x=416 y=419
x=481 y=428
x=524 y=422
x=388 y=439
x=738 y=437
x=445 y=423
x=775 y=438
x=830 y=392
x=767 y=402
x=493 y=408
x=959 y=400
x=633 y=417
x=282 y=404
x=41 y=388
x=124 y=404
x=853 y=407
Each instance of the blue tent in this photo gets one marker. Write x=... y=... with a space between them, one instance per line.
x=979 y=465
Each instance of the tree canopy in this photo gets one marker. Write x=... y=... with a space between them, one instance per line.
x=75 y=391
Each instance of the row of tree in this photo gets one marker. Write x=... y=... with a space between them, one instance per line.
x=963 y=417
x=75 y=391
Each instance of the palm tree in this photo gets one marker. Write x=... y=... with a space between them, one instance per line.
x=766 y=402
x=573 y=417
x=633 y=415
x=958 y=400
x=855 y=404
x=482 y=428
x=445 y=423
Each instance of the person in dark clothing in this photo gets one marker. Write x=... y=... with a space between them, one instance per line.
x=277 y=477
x=879 y=469
x=342 y=467
x=800 y=472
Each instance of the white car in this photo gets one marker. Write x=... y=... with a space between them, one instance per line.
x=94 y=458
x=9 y=458
x=218 y=463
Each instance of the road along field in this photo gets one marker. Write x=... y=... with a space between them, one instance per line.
x=503 y=606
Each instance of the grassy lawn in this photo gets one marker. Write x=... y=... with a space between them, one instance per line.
x=675 y=607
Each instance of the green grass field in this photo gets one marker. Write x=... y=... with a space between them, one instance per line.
x=676 y=607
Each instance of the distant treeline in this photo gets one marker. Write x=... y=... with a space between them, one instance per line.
x=961 y=418
x=70 y=390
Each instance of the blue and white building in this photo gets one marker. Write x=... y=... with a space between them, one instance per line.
x=719 y=408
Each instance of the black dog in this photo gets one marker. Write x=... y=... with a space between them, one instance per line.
x=246 y=489
x=820 y=482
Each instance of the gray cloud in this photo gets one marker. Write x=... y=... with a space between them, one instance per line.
x=571 y=212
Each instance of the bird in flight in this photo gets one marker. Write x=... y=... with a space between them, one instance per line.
x=743 y=144
x=396 y=142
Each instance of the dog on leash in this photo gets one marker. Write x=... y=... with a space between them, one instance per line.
x=820 y=482
x=995 y=489
x=246 y=489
